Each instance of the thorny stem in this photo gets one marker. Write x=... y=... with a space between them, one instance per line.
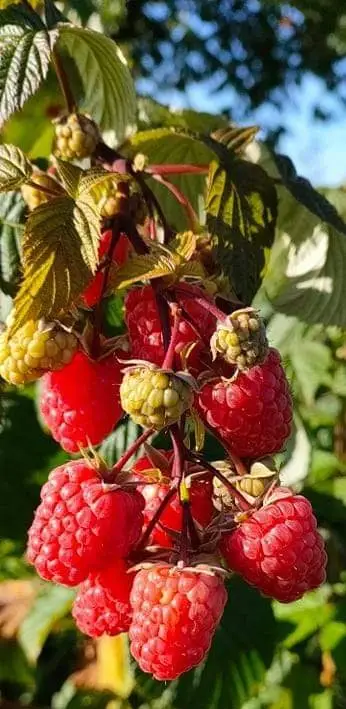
x=156 y=518
x=170 y=352
x=151 y=200
x=180 y=197
x=177 y=169
x=242 y=502
x=63 y=81
x=117 y=468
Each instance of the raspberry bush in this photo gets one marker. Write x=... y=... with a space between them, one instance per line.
x=138 y=304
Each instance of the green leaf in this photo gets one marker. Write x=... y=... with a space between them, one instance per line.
x=242 y=651
x=301 y=619
x=52 y=605
x=109 y=94
x=168 y=145
x=305 y=274
x=26 y=456
x=119 y=441
x=298 y=456
x=59 y=258
x=241 y=207
x=25 y=49
x=15 y=168
x=12 y=209
x=152 y=114
x=70 y=697
x=311 y=362
x=14 y=667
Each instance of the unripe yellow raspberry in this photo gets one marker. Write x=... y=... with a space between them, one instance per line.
x=34 y=349
x=153 y=397
x=241 y=339
x=76 y=137
x=261 y=474
x=33 y=196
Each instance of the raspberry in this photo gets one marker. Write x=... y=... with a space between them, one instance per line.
x=93 y=292
x=200 y=498
x=241 y=339
x=143 y=323
x=260 y=476
x=102 y=605
x=33 y=195
x=81 y=524
x=252 y=414
x=80 y=403
x=76 y=137
x=278 y=549
x=154 y=398
x=175 y=614
x=35 y=348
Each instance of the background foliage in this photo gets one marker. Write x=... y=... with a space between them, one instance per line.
x=266 y=655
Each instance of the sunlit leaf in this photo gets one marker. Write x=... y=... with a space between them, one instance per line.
x=15 y=168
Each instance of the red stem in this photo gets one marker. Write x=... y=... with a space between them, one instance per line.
x=117 y=468
x=243 y=504
x=168 y=362
x=180 y=197
x=179 y=452
x=177 y=169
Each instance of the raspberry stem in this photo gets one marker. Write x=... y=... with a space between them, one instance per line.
x=117 y=468
x=182 y=199
x=63 y=81
x=42 y=188
x=98 y=313
x=177 y=169
x=170 y=353
x=179 y=452
x=242 y=502
x=156 y=517
x=163 y=310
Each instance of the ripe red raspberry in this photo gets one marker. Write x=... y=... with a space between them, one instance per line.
x=175 y=614
x=93 y=292
x=252 y=414
x=81 y=404
x=102 y=605
x=143 y=323
x=202 y=507
x=278 y=549
x=81 y=524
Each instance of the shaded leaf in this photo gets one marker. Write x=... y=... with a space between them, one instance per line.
x=52 y=605
x=25 y=48
x=119 y=441
x=14 y=667
x=59 y=258
x=109 y=95
x=15 y=168
x=12 y=209
x=241 y=207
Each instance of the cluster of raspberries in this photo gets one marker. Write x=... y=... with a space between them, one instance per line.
x=150 y=546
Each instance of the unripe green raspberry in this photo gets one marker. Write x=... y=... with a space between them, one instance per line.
x=33 y=195
x=33 y=350
x=241 y=339
x=261 y=474
x=76 y=137
x=154 y=398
